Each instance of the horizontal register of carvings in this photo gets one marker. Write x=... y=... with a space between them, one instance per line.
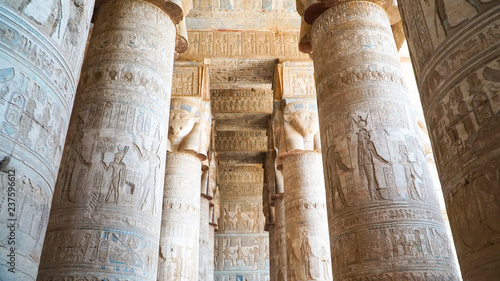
x=245 y=44
x=242 y=101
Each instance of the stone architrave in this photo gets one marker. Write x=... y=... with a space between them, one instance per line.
x=306 y=222
x=179 y=237
x=106 y=214
x=384 y=218
x=455 y=50
x=41 y=51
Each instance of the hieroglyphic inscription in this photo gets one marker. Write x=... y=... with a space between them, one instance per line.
x=240 y=140
x=232 y=73
x=307 y=241
x=374 y=163
x=298 y=79
x=257 y=44
x=112 y=172
x=41 y=51
x=186 y=79
x=241 y=245
x=241 y=100
x=179 y=236
x=459 y=80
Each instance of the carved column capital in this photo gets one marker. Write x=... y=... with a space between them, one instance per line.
x=181 y=38
x=188 y=129
x=175 y=9
x=300 y=128
x=310 y=10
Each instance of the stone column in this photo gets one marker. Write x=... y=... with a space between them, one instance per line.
x=214 y=226
x=306 y=224
x=277 y=195
x=456 y=59
x=280 y=238
x=384 y=217
x=268 y=210
x=204 y=228
x=208 y=195
x=180 y=230
x=208 y=185
x=41 y=53
x=179 y=239
x=105 y=219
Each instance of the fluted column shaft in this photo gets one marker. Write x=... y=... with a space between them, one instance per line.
x=106 y=215
x=307 y=241
x=384 y=219
x=455 y=50
x=41 y=53
x=179 y=239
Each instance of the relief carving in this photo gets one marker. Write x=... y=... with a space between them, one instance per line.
x=373 y=158
x=188 y=127
x=301 y=128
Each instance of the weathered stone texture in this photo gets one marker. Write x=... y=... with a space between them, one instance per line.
x=384 y=218
x=280 y=239
x=179 y=238
x=455 y=51
x=204 y=256
x=41 y=51
x=306 y=223
x=107 y=206
x=241 y=245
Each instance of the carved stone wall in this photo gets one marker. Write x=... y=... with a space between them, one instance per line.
x=298 y=79
x=241 y=245
x=247 y=44
x=105 y=219
x=41 y=52
x=456 y=57
x=243 y=101
x=241 y=74
x=384 y=218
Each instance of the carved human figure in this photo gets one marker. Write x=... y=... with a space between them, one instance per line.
x=151 y=155
x=464 y=112
x=367 y=153
x=411 y=175
x=442 y=14
x=118 y=174
x=309 y=257
x=480 y=101
x=75 y=156
x=333 y=163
